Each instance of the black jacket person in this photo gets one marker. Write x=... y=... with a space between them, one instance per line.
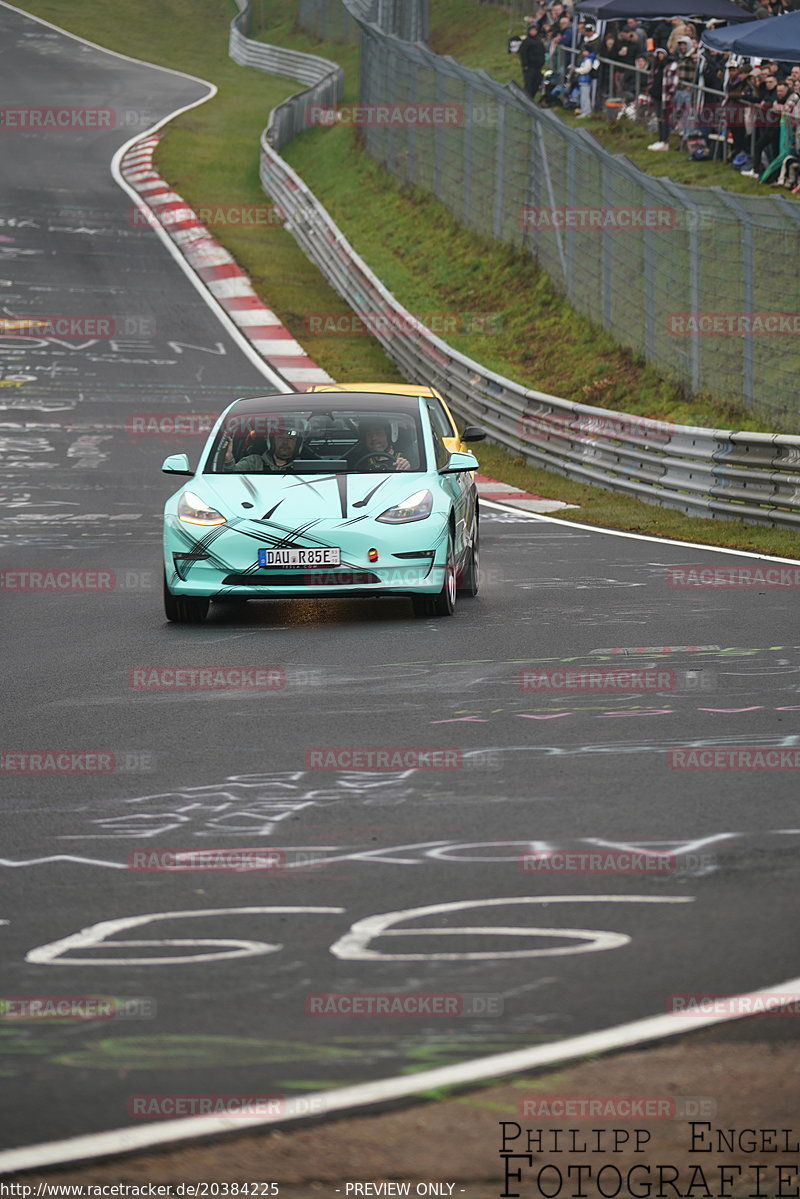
x=531 y=57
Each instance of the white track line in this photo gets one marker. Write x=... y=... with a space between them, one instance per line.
x=689 y=545
x=277 y=381
x=352 y=1099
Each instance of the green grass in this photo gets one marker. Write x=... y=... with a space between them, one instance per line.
x=436 y=266
x=210 y=156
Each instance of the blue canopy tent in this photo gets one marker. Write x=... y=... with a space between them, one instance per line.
x=646 y=10
x=774 y=37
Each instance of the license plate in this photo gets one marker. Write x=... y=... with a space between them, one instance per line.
x=290 y=557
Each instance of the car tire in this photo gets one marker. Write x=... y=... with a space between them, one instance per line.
x=444 y=603
x=184 y=609
x=470 y=579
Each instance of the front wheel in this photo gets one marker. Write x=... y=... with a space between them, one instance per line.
x=184 y=609
x=470 y=579
x=444 y=603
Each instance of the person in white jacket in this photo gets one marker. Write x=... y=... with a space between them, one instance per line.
x=587 y=81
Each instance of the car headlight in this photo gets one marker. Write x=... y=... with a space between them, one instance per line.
x=416 y=507
x=192 y=511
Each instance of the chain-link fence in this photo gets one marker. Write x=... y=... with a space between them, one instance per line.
x=406 y=19
x=711 y=472
x=331 y=22
x=701 y=282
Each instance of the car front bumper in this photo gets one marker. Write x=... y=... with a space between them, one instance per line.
x=223 y=561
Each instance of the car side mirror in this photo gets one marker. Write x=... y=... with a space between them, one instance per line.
x=473 y=433
x=459 y=463
x=176 y=464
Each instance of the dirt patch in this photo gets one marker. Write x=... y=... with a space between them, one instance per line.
x=743 y=1078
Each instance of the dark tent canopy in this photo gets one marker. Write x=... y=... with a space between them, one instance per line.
x=775 y=37
x=610 y=10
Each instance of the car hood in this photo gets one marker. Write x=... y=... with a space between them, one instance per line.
x=290 y=499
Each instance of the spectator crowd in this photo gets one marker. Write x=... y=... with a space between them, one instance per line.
x=720 y=105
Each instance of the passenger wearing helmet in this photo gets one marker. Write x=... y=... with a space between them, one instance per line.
x=374 y=450
x=282 y=449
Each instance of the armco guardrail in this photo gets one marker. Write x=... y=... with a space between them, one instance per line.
x=708 y=472
x=324 y=79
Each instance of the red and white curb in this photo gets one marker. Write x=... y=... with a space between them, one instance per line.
x=526 y=501
x=218 y=270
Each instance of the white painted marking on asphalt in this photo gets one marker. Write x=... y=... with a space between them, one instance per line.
x=353 y=946
x=64 y=857
x=52 y=953
x=687 y=545
x=353 y=1099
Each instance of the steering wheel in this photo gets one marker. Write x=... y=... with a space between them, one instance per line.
x=374 y=454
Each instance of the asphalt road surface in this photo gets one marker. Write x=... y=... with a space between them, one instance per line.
x=216 y=982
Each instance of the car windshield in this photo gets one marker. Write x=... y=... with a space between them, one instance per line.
x=320 y=440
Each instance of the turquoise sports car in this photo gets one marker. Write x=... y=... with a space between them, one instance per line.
x=345 y=494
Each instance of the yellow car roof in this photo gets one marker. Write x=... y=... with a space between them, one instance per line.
x=399 y=389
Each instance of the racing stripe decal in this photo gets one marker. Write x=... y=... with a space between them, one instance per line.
x=341 y=483
x=363 y=503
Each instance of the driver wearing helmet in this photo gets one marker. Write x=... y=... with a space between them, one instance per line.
x=282 y=450
x=374 y=450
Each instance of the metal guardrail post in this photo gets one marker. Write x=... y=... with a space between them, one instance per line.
x=551 y=198
x=499 y=175
x=695 y=217
x=469 y=108
x=438 y=140
x=570 y=231
x=607 y=271
x=746 y=229
x=648 y=254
